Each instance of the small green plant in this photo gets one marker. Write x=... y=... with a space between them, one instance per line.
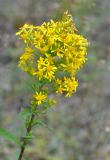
x=54 y=52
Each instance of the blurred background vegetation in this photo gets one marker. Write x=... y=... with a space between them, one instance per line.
x=79 y=123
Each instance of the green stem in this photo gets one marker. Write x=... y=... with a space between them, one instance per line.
x=29 y=128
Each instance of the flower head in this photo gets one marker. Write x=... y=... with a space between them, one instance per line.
x=40 y=97
x=54 y=53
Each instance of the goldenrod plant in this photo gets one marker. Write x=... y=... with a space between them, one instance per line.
x=53 y=54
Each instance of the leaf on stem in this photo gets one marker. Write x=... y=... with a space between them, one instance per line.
x=9 y=136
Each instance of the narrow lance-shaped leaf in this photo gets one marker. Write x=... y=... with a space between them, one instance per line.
x=9 y=136
x=41 y=123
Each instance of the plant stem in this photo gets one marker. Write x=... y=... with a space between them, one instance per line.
x=25 y=140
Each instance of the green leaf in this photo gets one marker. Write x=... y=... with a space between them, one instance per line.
x=41 y=123
x=25 y=112
x=26 y=158
x=9 y=136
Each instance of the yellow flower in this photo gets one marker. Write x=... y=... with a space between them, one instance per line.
x=40 y=97
x=69 y=67
x=27 y=54
x=60 y=89
x=46 y=68
x=26 y=57
x=49 y=58
x=58 y=81
x=39 y=74
x=41 y=63
x=50 y=70
x=70 y=85
x=43 y=49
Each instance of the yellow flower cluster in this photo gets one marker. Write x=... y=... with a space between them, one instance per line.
x=54 y=52
x=26 y=60
x=66 y=85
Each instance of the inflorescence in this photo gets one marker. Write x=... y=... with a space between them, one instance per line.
x=53 y=54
